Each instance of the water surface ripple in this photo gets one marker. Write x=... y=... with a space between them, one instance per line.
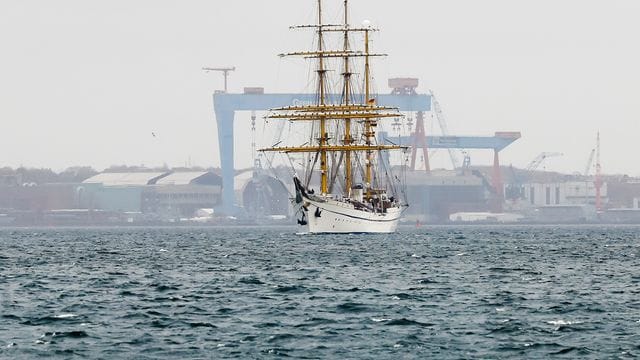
x=442 y=292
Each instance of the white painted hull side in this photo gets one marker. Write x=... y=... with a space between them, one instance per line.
x=336 y=217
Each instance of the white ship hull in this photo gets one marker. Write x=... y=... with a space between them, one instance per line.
x=324 y=214
x=336 y=217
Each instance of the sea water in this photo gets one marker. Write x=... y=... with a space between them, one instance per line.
x=439 y=292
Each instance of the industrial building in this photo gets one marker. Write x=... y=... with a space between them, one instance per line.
x=263 y=195
x=436 y=195
x=111 y=198
x=563 y=193
x=167 y=195
x=120 y=192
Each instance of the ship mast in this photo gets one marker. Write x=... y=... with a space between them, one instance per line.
x=323 y=131
x=367 y=122
x=347 y=121
x=345 y=112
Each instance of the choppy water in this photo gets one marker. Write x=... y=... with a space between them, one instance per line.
x=471 y=292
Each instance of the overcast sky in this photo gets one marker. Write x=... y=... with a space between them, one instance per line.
x=87 y=82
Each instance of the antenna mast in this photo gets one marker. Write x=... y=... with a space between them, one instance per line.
x=225 y=72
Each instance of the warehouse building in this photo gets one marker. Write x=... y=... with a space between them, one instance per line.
x=433 y=197
x=166 y=194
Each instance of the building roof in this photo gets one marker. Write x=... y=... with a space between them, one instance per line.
x=180 y=178
x=240 y=180
x=125 y=178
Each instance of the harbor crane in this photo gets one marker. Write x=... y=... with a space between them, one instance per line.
x=515 y=190
x=445 y=130
x=587 y=169
x=225 y=72
x=535 y=163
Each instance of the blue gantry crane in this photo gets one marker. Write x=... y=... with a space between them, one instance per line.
x=254 y=99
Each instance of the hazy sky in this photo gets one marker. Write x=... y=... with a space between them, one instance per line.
x=86 y=82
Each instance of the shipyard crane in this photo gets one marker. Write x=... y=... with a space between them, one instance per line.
x=225 y=72
x=587 y=168
x=535 y=163
x=515 y=191
x=443 y=127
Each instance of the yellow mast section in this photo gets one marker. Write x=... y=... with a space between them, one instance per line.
x=324 y=53
x=332 y=54
x=333 y=115
x=326 y=148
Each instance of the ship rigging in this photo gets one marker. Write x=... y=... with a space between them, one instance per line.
x=357 y=190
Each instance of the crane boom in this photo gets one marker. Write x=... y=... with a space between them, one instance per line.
x=224 y=70
x=587 y=168
x=443 y=127
x=535 y=163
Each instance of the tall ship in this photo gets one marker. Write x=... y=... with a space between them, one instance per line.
x=347 y=183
